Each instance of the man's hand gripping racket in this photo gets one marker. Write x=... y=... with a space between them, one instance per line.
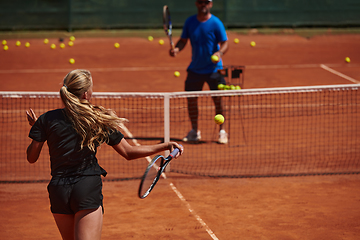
x=153 y=172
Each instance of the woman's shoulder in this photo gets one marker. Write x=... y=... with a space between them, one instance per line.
x=56 y=113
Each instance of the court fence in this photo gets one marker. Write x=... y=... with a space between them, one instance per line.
x=108 y=14
x=272 y=132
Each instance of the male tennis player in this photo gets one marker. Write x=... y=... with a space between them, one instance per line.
x=208 y=37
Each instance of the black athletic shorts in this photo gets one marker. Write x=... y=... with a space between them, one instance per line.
x=195 y=81
x=69 y=197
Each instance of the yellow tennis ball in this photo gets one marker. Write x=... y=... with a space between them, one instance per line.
x=116 y=45
x=62 y=45
x=219 y=119
x=72 y=38
x=237 y=87
x=347 y=59
x=177 y=74
x=4 y=42
x=71 y=60
x=6 y=47
x=18 y=43
x=71 y=43
x=221 y=86
x=46 y=41
x=53 y=46
x=236 y=40
x=27 y=44
x=150 y=38
x=161 y=42
x=252 y=43
x=215 y=59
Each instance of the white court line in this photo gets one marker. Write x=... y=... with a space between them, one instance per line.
x=177 y=192
x=338 y=73
x=142 y=69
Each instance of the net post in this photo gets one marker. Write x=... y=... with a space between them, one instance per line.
x=167 y=124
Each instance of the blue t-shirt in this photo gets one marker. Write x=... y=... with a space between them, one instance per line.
x=204 y=38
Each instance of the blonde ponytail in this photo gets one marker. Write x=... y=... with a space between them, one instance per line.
x=93 y=123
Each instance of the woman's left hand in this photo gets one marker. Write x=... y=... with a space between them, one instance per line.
x=31 y=117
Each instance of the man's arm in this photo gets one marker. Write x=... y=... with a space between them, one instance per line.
x=178 y=47
x=224 y=46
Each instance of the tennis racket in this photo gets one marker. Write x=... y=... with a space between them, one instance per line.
x=153 y=172
x=168 y=25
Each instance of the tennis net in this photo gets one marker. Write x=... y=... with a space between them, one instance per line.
x=272 y=132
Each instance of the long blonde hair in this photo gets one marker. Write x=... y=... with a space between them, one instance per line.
x=93 y=123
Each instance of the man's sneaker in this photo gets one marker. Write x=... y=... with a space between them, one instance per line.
x=192 y=136
x=223 y=137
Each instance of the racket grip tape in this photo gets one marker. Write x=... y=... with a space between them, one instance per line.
x=174 y=152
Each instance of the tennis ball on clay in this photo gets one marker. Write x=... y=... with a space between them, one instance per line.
x=4 y=42
x=232 y=87
x=237 y=87
x=6 y=48
x=116 y=45
x=177 y=74
x=219 y=119
x=252 y=43
x=53 y=46
x=18 y=43
x=347 y=59
x=150 y=38
x=221 y=86
x=71 y=60
x=62 y=45
x=72 y=38
x=71 y=43
x=215 y=59
x=236 y=40
x=161 y=42
x=27 y=44
x=46 y=41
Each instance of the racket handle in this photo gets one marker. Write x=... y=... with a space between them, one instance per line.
x=173 y=153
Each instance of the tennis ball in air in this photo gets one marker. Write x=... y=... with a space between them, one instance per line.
x=4 y=42
x=150 y=38
x=252 y=43
x=27 y=44
x=161 y=42
x=53 y=46
x=72 y=38
x=236 y=40
x=62 y=45
x=347 y=59
x=6 y=48
x=71 y=43
x=219 y=119
x=215 y=59
x=18 y=43
x=116 y=45
x=177 y=74
x=71 y=60
x=221 y=86
x=46 y=41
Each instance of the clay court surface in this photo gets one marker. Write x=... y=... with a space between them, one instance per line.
x=188 y=207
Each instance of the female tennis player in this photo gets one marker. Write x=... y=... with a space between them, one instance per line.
x=73 y=135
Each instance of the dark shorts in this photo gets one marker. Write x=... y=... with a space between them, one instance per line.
x=195 y=81
x=69 y=198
